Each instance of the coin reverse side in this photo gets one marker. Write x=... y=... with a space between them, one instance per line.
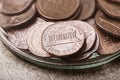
x=89 y=31
x=62 y=40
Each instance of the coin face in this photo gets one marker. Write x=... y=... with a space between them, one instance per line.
x=111 y=26
x=62 y=40
x=57 y=9
x=110 y=8
x=88 y=8
x=85 y=55
x=18 y=37
x=87 y=29
x=108 y=44
x=34 y=39
x=10 y=21
x=14 y=6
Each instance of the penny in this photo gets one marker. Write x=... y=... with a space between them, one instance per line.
x=91 y=21
x=112 y=26
x=14 y=6
x=88 y=8
x=85 y=55
x=10 y=21
x=110 y=8
x=88 y=30
x=57 y=9
x=34 y=39
x=117 y=1
x=62 y=40
x=108 y=44
x=18 y=37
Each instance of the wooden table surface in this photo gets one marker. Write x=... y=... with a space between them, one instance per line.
x=13 y=68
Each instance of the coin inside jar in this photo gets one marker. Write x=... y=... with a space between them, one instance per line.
x=76 y=58
x=62 y=40
x=14 y=6
x=15 y=20
x=57 y=9
x=18 y=37
x=110 y=8
x=111 y=26
x=89 y=31
x=108 y=44
x=34 y=39
x=88 y=8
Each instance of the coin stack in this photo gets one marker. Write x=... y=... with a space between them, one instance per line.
x=108 y=21
x=65 y=29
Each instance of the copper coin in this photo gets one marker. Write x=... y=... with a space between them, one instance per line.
x=88 y=30
x=34 y=39
x=62 y=40
x=87 y=54
x=18 y=37
x=110 y=8
x=117 y=1
x=91 y=21
x=108 y=44
x=10 y=21
x=14 y=6
x=108 y=24
x=88 y=8
x=57 y=9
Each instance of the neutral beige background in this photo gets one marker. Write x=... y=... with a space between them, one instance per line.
x=13 y=68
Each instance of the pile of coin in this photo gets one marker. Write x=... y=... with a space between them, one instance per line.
x=58 y=39
x=66 y=29
x=108 y=21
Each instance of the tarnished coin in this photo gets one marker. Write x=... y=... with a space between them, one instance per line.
x=117 y=1
x=108 y=24
x=10 y=21
x=110 y=8
x=14 y=6
x=87 y=54
x=108 y=44
x=18 y=37
x=87 y=29
x=62 y=40
x=34 y=39
x=88 y=8
x=57 y=9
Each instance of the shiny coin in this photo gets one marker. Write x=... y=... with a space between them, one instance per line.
x=88 y=8
x=18 y=37
x=14 y=6
x=88 y=30
x=10 y=21
x=108 y=44
x=62 y=40
x=57 y=9
x=110 y=8
x=34 y=39
x=108 y=24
